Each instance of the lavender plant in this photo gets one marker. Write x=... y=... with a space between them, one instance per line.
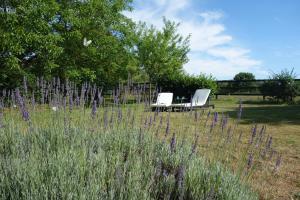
x=124 y=152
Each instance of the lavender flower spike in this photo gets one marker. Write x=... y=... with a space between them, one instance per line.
x=94 y=109
x=25 y=113
x=250 y=161
x=278 y=163
x=173 y=143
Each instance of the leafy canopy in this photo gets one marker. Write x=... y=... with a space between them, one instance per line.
x=161 y=53
x=45 y=38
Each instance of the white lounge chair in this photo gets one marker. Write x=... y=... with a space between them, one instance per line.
x=164 y=100
x=199 y=100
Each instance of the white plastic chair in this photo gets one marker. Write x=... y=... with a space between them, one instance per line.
x=199 y=99
x=164 y=100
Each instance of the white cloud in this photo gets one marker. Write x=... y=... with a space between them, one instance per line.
x=212 y=51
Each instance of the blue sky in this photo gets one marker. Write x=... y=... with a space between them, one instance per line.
x=230 y=36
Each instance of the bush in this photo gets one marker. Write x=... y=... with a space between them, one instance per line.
x=281 y=86
x=244 y=76
x=242 y=82
x=184 y=85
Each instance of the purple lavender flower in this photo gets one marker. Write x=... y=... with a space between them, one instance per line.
x=180 y=181
x=94 y=109
x=269 y=144
x=278 y=163
x=253 y=133
x=71 y=102
x=194 y=147
x=250 y=161
x=120 y=115
x=213 y=122
x=215 y=117
x=229 y=134
x=25 y=113
x=173 y=143
x=168 y=128
x=261 y=134
x=224 y=123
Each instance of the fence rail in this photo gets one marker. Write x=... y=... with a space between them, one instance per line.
x=247 y=87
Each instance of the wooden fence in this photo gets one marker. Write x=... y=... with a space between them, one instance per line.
x=245 y=88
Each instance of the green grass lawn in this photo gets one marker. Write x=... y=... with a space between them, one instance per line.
x=283 y=122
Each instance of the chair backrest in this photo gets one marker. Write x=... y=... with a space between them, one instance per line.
x=164 y=98
x=200 y=97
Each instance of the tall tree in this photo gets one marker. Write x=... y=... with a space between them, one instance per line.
x=46 y=38
x=27 y=43
x=161 y=53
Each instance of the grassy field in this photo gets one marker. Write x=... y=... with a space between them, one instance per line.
x=283 y=122
x=112 y=152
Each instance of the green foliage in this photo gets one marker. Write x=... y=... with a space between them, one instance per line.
x=241 y=83
x=186 y=85
x=69 y=156
x=244 y=76
x=161 y=53
x=281 y=86
x=45 y=38
x=27 y=42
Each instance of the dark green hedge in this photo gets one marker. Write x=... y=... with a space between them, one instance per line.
x=184 y=85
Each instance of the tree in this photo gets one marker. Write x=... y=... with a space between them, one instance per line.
x=281 y=86
x=27 y=43
x=161 y=53
x=45 y=38
x=244 y=76
x=242 y=82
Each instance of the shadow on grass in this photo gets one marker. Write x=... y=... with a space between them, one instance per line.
x=255 y=102
x=270 y=114
x=268 y=102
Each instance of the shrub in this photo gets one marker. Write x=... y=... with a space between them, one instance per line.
x=244 y=76
x=242 y=82
x=281 y=86
x=184 y=85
